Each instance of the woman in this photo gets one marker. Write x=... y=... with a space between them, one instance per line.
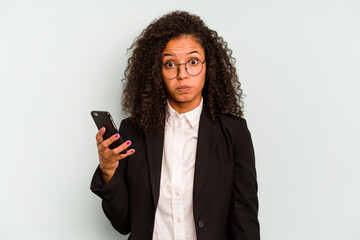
x=190 y=172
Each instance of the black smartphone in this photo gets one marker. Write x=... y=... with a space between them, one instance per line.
x=104 y=119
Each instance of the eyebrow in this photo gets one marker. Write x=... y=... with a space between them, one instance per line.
x=169 y=54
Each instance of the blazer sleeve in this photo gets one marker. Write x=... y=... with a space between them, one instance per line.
x=243 y=217
x=114 y=195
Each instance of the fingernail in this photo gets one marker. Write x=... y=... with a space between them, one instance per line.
x=132 y=150
x=128 y=142
x=116 y=136
x=102 y=129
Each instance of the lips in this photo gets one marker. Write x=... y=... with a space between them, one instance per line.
x=183 y=88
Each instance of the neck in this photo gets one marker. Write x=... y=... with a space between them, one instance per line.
x=183 y=107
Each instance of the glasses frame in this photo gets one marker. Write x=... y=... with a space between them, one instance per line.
x=177 y=66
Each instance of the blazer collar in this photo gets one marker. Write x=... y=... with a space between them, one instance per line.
x=207 y=139
x=154 y=151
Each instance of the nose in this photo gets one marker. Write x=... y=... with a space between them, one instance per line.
x=182 y=71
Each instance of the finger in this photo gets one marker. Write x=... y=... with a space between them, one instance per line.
x=106 y=143
x=128 y=153
x=99 y=136
x=122 y=147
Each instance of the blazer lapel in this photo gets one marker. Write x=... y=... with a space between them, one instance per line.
x=154 y=150
x=207 y=139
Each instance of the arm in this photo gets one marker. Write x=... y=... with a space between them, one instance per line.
x=243 y=222
x=114 y=197
x=109 y=183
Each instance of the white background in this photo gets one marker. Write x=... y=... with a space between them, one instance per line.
x=298 y=62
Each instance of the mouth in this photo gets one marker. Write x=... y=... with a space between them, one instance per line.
x=183 y=88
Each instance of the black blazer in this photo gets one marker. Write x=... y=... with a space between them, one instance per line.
x=225 y=202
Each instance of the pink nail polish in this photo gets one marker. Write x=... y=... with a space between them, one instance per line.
x=116 y=136
x=102 y=129
x=128 y=142
x=132 y=150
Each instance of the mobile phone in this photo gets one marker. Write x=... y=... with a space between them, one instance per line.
x=104 y=119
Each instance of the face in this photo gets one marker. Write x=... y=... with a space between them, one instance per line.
x=184 y=91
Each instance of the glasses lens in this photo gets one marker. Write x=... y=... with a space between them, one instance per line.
x=194 y=67
x=170 y=70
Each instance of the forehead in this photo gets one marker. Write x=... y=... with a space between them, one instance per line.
x=183 y=45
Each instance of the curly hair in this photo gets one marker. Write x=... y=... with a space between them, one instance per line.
x=145 y=97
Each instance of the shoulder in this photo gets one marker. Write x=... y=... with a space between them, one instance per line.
x=231 y=122
x=128 y=129
x=234 y=128
x=126 y=122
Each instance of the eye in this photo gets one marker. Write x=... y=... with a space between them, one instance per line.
x=193 y=62
x=169 y=64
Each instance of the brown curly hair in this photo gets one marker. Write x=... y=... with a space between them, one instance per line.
x=145 y=97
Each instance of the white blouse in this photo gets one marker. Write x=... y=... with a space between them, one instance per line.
x=174 y=217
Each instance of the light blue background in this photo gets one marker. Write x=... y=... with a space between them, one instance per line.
x=298 y=62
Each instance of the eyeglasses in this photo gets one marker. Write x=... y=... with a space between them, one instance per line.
x=193 y=67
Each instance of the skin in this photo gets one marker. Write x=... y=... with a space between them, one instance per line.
x=184 y=94
x=184 y=91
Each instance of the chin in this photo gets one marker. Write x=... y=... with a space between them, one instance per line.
x=183 y=99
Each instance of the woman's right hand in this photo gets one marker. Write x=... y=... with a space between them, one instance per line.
x=109 y=158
